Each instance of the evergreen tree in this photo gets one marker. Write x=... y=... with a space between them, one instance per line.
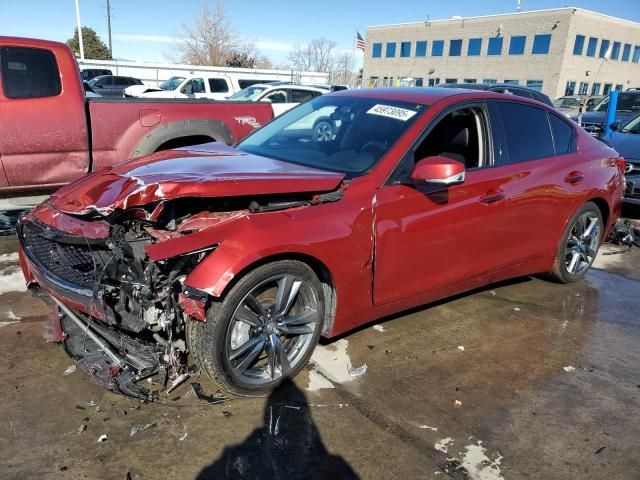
x=94 y=48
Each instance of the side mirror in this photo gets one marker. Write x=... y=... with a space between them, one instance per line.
x=438 y=171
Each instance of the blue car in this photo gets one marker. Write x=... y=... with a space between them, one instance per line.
x=626 y=140
x=628 y=106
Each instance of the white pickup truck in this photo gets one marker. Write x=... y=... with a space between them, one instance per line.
x=209 y=86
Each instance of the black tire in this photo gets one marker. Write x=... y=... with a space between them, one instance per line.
x=210 y=341
x=323 y=130
x=560 y=271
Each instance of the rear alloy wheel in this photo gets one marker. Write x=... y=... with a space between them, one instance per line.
x=264 y=331
x=579 y=245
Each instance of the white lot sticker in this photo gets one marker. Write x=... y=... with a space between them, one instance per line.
x=392 y=112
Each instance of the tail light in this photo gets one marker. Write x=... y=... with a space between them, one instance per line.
x=622 y=164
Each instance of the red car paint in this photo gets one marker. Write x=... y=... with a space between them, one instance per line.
x=49 y=141
x=384 y=247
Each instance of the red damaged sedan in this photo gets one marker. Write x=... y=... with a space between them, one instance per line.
x=348 y=208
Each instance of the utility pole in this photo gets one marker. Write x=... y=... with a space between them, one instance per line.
x=518 y=7
x=109 y=26
x=79 y=31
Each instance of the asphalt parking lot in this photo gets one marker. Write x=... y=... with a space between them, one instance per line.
x=526 y=379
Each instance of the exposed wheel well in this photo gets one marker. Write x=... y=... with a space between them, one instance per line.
x=602 y=204
x=319 y=268
x=185 y=142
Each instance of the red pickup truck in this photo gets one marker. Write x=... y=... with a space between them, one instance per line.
x=50 y=134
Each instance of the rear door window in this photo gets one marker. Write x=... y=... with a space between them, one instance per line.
x=300 y=96
x=29 y=73
x=218 y=85
x=527 y=135
x=563 y=135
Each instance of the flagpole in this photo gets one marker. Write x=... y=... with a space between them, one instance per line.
x=79 y=31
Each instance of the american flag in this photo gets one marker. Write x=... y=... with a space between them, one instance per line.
x=360 y=41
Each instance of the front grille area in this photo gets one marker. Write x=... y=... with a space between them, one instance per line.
x=593 y=128
x=72 y=263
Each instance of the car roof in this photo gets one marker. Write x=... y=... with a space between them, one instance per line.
x=278 y=86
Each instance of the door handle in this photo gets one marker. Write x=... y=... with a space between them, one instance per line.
x=574 y=177
x=492 y=196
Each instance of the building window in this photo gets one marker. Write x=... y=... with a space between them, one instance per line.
x=578 y=46
x=475 y=45
x=450 y=80
x=470 y=80
x=607 y=88
x=636 y=54
x=595 y=89
x=512 y=82
x=495 y=46
x=591 y=47
x=604 y=46
x=434 y=81
x=535 y=84
x=516 y=45
x=584 y=88
x=391 y=49
x=615 y=51
x=489 y=80
x=455 y=48
x=618 y=88
x=421 y=49
x=626 y=52
x=419 y=82
x=377 y=50
x=541 y=44
x=437 y=48
x=405 y=49
x=570 y=89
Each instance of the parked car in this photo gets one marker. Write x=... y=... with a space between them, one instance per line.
x=628 y=106
x=241 y=258
x=283 y=96
x=52 y=135
x=112 y=85
x=570 y=104
x=90 y=73
x=507 y=88
x=626 y=141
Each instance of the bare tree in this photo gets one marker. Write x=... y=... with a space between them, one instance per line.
x=210 y=41
x=342 y=72
x=318 y=55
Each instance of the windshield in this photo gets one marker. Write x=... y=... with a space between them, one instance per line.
x=94 y=80
x=172 y=83
x=567 y=102
x=249 y=93
x=338 y=133
x=632 y=127
x=627 y=102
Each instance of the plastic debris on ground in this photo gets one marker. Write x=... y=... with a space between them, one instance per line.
x=569 y=368
x=139 y=428
x=103 y=438
x=196 y=389
x=183 y=437
x=457 y=403
x=379 y=328
x=516 y=309
x=461 y=348
x=179 y=380
x=82 y=428
x=70 y=369
x=358 y=372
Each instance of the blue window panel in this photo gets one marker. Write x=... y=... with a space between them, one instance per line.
x=455 y=48
x=495 y=46
x=437 y=48
x=626 y=52
x=604 y=46
x=535 y=84
x=419 y=82
x=591 y=47
x=490 y=80
x=636 y=54
x=391 y=50
x=512 y=82
x=421 y=49
x=615 y=51
x=541 y=44
x=405 y=49
x=578 y=45
x=377 y=50
x=516 y=45
x=474 y=47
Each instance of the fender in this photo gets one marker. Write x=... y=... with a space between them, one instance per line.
x=215 y=129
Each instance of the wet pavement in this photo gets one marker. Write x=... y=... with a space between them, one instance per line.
x=526 y=379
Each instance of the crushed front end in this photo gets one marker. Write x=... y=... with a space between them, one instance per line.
x=118 y=310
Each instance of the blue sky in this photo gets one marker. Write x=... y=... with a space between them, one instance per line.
x=145 y=29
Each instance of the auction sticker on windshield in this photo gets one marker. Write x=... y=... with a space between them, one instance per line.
x=391 y=112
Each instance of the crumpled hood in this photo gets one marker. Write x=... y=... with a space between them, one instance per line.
x=212 y=170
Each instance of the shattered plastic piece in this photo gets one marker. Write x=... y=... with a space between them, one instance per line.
x=82 y=428
x=183 y=437
x=461 y=348
x=91 y=403
x=569 y=368
x=178 y=381
x=196 y=389
x=379 y=328
x=427 y=427
x=103 y=438
x=358 y=372
x=70 y=369
x=516 y=309
x=493 y=292
x=457 y=403
x=139 y=428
